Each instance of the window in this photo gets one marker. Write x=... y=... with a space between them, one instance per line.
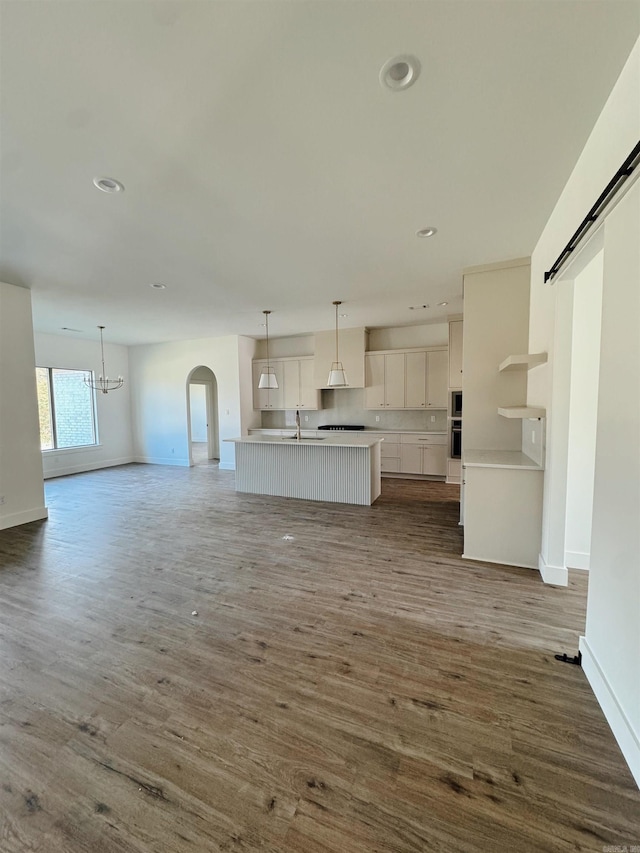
x=67 y=408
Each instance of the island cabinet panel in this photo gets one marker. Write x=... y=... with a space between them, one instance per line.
x=437 y=379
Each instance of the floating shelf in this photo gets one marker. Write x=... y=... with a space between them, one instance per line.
x=522 y=412
x=523 y=362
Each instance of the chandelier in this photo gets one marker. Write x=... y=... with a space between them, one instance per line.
x=103 y=383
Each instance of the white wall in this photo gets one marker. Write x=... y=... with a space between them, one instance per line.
x=159 y=374
x=21 y=486
x=249 y=419
x=115 y=437
x=583 y=412
x=198 y=404
x=401 y=337
x=285 y=347
x=611 y=646
x=496 y=325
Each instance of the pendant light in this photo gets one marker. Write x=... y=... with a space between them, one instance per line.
x=103 y=383
x=337 y=376
x=268 y=376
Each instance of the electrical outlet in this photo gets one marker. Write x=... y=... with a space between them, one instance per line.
x=533 y=436
x=306 y=417
x=377 y=418
x=433 y=419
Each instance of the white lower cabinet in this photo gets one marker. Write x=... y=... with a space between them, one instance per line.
x=502 y=515
x=423 y=454
x=454 y=470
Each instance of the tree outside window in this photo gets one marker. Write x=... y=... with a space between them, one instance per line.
x=66 y=406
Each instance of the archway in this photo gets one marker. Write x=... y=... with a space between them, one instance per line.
x=202 y=416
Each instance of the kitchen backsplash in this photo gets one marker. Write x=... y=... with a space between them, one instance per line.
x=346 y=406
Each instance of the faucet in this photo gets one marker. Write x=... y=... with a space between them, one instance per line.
x=298 y=435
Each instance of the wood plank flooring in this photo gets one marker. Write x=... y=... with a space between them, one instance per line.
x=356 y=689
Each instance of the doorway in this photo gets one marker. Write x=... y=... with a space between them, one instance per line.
x=202 y=417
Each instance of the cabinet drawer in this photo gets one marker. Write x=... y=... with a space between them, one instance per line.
x=387 y=464
x=423 y=438
x=388 y=451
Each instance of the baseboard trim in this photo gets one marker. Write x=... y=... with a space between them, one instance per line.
x=628 y=740
x=226 y=466
x=553 y=575
x=577 y=560
x=88 y=466
x=23 y=517
x=498 y=562
x=161 y=460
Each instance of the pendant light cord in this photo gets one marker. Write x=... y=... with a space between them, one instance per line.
x=336 y=303
x=104 y=372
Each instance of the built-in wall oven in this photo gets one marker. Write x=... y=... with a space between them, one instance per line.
x=456 y=404
x=456 y=439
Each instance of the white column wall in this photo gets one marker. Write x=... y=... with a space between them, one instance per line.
x=21 y=485
x=611 y=646
x=583 y=412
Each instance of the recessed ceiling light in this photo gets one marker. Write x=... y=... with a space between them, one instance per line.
x=108 y=185
x=442 y=304
x=400 y=72
x=417 y=307
x=157 y=286
x=344 y=315
x=427 y=232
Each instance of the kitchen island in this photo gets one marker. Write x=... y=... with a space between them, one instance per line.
x=339 y=469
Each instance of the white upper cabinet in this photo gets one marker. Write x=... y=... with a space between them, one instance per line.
x=394 y=380
x=291 y=384
x=437 y=373
x=406 y=379
x=295 y=385
x=309 y=394
x=268 y=398
x=374 y=378
x=455 y=354
x=416 y=380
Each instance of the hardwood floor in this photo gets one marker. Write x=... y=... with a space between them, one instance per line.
x=357 y=688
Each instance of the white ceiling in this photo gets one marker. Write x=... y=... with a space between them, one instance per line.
x=266 y=167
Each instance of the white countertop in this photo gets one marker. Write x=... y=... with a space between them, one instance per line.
x=278 y=430
x=335 y=439
x=499 y=459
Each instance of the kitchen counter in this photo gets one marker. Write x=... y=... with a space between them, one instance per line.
x=499 y=459
x=340 y=468
x=291 y=430
x=333 y=439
